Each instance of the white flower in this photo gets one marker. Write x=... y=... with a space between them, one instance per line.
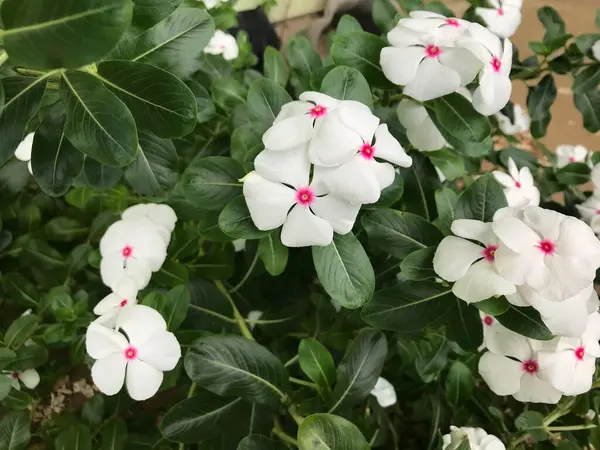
x=138 y=359
x=570 y=368
x=239 y=245
x=116 y=306
x=504 y=18
x=210 y=4
x=420 y=129
x=23 y=151
x=133 y=248
x=253 y=317
x=590 y=415
x=279 y=193
x=223 y=44
x=296 y=122
x=427 y=21
x=590 y=212
x=519 y=376
x=521 y=124
x=519 y=189
x=495 y=87
x=469 y=265
x=428 y=64
x=496 y=337
x=567 y=154
x=163 y=216
x=30 y=378
x=554 y=254
x=384 y=392
x=477 y=437
x=596 y=50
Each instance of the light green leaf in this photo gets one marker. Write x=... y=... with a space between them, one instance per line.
x=275 y=67
x=303 y=58
x=265 y=99
x=76 y=437
x=15 y=431
x=361 y=51
x=345 y=83
x=273 y=254
x=329 y=432
x=317 y=363
x=228 y=93
x=20 y=330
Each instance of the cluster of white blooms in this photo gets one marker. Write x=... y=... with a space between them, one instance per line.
x=590 y=208
x=503 y=18
x=223 y=44
x=384 y=393
x=320 y=164
x=519 y=188
x=521 y=123
x=536 y=258
x=433 y=55
x=477 y=437
x=567 y=154
x=23 y=151
x=132 y=249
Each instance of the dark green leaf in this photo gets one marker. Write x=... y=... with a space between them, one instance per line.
x=345 y=83
x=493 y=306
x=539 y=101
x=361 y=51
x=526 y=322
x=147 y=13
x=20 y=330
x=204 y=103
x=446 y=204
x=303 y=58
x=5 y=387
x=553 y=23
x=316 y=362
x=431 y=357
x=76 y=437
x=460 y=384
x=418 y=266
x=257 y=442
x=273 y=254
x=532 y=422
x=384 y=14
x=228 y=93
x=236 y=222
x=114 y=435
x=20 y=289
x=481 y=200
x=64 y=229
x=100 y=176
x=275 y=66
x=177 y=302
x=93 y=410
x=329 y=432
x=265 y=99
x=30 y=356
x=464 y=326
x=6 y=357
x=348 y=24
x=449 y=163
x=420 y=183
x=573 y=174
x=15 y=431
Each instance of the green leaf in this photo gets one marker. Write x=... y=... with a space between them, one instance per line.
x=235 y=366
x=587 y=79
x=526 y=322
x=493 y=306
x=76 y=437
x=418 y=266
x=539 y=101
x=451 y=164
x=20 y=289
x=409 y=307
x=159 y=101
x=17 y=400
x=45 y=36
x=346 y=83
x=15 y=431
x=257 y=442
x=265 y=99
x=273 y=254
x=235 y=221
x=206 y=107
x=573 y=174
x=93 y=410
x=6 y=357
x=329 y=432
x=275 y=67
x=176 y=43
x=481 y=200
x=155 y=169
x=317 y=363
x=420 y=183
x=400 y=233
x=347 y=24
x=464 y=326
x=64 y=229
x=303 y=58
x=23 y=96
x=211 y=183
x=5 y=387
x=532 y=422
x=361 y=51
x=98 y=123
x=20 y=330
x=30 y=356
x=344 y=270
x=459 y=385
x=588 y=104
x=100 y=176
x=147 y=13
x=445 y=201
x=553 y=23
x=359 y=369
x=177 y=302
x=228 y=93
x=384 y=15
x=431 y=357
x=114 y=435
x=244 y=141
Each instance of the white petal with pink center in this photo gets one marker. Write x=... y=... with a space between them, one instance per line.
x=223 y=44
x=567 y=154
x=138 y=358
x=496 y=337
x=384 y=392
x=29 y=377
x=590 y=212
x=163 y=216
x=521 y=124
x=116 y=306
x=503 y=18
x=519 y=188
x=420 y=129
x=471 y=266
x=477 y=437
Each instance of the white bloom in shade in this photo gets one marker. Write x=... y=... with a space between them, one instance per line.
x=23 y=151
x=384 y=392
x=504 y=18
x=521 y=124
x=30 y=378
x=428 y=65
x=132 y=248
x=469 y=265
x=590 y=212
x=496 y=337
x=420 y=129
x=163 y=216
x=477 y=437
x=519 y=188
x=210 y=4
x=223 y=44
x=137 y=360
x=567 y=154
x=239 y=245
x=116 y=306
x=362 y=178
x=495 y=87
x=571 y=366
x=590 y=414
x=519 y=375
x=596 y=50
x=567 y=317
x=279 y=193
x=554 y=254
x=253 y=317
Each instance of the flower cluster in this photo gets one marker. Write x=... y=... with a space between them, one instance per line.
x=478 y=439
x=519 y=188
x=223 y=44
x=132 y=249
x=567 y=154
x=432 y=56
x=503 y=18
x=320 y=164
x=590 y=208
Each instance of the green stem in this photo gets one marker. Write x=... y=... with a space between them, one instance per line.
x=278 y=431
x=513 y=445
x=298 y=418
x=304 y=383
x=3 y=57
x=239 y=319
x=247 y=275
x=292 y=361
x=573 y=427
x=192 y=390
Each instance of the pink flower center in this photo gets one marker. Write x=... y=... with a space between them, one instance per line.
x=530 y=366
x=598 y=212
x=500 y=11
x=571 y=159
x=367 y=151
x=488 y=321
x=489 y=253
x=14 y=375
x=127 y=251
x=546 y=246
x=305 y=196
x=123 y=303
x=318 y=111
x=453 y=23
x=432 y=51
x=580 y=353
x=518 y=184
x=130 y=353
x=496 y=64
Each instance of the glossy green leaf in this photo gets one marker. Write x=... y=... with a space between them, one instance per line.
x=431 y=357
x=359 y=369
x=265 y=99
x=464 y=326
x=98 y=123
x=275 y=67
x=235 y=221
x=15 y=431
x=418 y=266
x=460 y=384
x=420 y=183
x=346 y=83
x=493 y=306
x=76 y=437
x=316 y=362
x=228 y=92
x=588 y=104
x=235 y=366
x=49 y=35
x=330 y=432
x=573 y=174
x=449 y=163
x=147 y=13
x=113 y=435
x=257 y=442
x=177 y=302
x=361 y=51
x=303 y=59
x=159 y=101
x=273 y=254
x=445 y=201
x=539 y=101
x=481 y=200
x=206 y=107
x=345 y=271
x=21 y=330
x=526 y=322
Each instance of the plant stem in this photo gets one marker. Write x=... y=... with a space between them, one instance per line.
x=278 y=431
x=292 y=361
x=513 y=445
x=574 y=427
x=192 y=390
x=304 y=383
x=247 y=275
x=241 y=322
x=3 y=57
x=298 y=418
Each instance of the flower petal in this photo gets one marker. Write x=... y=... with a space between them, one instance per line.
x=303 y=229
x=23 y=151
x=143 y=380
x=289 y=133
x=402 y=37
x=340 y=213
x=113 y=270
x=501 y=87
x=471 y=229
x=432 y=80
x=501 y=374
x=384 y=173
x=359 y=118
x=535 y=390
x=481 y=282
x=101 y=341
x=30 y=378
x=108 y=373
x=143 y=324
x=287 y=166
x=387 y=147
x=410 y=113
x=384 y=392
x=454 y=256
x=162 y=351
x=515 y=234
x=319 y=99
x=355 y=181
x=334 y=143
x=462 y=62
x=426 y=137
x=400 y=64
x=268 y=202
